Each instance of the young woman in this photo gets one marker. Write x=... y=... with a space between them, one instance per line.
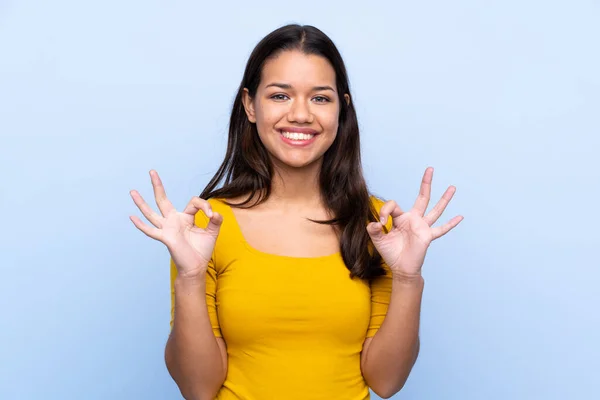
x=291 y=281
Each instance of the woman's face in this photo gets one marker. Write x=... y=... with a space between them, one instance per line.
x=296 y=108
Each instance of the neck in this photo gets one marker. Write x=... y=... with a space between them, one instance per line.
x=296 y=187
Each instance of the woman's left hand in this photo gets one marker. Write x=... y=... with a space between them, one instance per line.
x=404 y=247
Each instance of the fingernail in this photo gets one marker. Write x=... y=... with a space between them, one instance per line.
x=382 y=220
x=210 y=214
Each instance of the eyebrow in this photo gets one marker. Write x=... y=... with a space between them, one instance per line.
x=288 y=86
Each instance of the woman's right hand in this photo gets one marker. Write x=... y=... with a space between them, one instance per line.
x=191 y=247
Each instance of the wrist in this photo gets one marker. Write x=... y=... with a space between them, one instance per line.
x=190 y=280
x=408 y=279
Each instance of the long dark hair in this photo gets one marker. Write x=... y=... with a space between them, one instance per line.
x=247 y=167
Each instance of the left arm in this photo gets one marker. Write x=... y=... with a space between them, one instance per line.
x=388 y=357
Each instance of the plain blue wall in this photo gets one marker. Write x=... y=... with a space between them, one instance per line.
x=501 y=97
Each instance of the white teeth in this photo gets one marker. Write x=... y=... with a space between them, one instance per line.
x=297 y=136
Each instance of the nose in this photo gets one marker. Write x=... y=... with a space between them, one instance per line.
x=300 y=112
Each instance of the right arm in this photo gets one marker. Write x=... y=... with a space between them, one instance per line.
x=195 y=355
x=195 y=358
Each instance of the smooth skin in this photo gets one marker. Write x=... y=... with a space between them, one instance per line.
x=296 y=90
x=195 y=358
x=388 y=357
x=403 y=248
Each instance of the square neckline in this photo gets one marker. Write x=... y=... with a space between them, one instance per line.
x=250 y=248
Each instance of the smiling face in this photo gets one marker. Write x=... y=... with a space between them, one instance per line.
x=295 y=108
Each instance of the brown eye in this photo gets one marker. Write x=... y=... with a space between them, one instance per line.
x=321 y=99
x=279 y=97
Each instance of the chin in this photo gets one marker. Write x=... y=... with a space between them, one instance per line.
x=297 y=163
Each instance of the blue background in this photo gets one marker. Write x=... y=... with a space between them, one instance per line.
x=502 y=98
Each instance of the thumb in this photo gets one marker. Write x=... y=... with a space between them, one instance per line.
x=214 y=224
x=375 y=231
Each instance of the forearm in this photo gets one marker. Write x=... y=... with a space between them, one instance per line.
x=394 y=348
x=192 y=353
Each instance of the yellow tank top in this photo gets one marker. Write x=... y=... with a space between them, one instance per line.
x=294 y=327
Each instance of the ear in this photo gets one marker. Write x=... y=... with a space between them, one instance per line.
x=347 y=97
x=248 y=106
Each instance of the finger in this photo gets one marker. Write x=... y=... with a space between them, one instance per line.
x=435 y=213
x=196 y=204
x=148 y=212
x=215 y=219
x=447 y=227
x=150 y=231
x=390 y=208
x=163 y=203
x=422 y=201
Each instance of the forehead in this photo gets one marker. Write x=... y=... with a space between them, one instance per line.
x=298 y=69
